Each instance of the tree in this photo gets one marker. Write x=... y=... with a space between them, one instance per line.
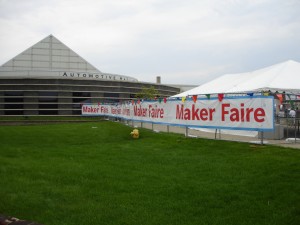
x=147 y=93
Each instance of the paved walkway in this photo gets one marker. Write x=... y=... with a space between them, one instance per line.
x=211 y=135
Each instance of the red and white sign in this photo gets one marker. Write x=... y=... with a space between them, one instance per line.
x=245 y=113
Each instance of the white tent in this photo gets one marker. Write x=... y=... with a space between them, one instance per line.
x=279 y=77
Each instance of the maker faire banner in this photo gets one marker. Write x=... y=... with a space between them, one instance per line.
x=238 y=113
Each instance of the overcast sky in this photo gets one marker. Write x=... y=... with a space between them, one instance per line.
x=183 y=41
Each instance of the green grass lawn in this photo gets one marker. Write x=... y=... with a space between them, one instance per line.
x=77 y=174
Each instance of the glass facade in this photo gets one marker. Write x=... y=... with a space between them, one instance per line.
x=78 y=99
x=64 y=96
x=13 y=103
x=48 y=103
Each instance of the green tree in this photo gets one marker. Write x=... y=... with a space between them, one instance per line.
x=147 y=93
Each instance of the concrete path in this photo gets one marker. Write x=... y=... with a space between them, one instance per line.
x=290 y=143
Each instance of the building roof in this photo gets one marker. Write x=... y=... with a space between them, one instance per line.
x=50 y=58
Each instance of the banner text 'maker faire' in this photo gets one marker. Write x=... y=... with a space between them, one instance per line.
x=241 y=113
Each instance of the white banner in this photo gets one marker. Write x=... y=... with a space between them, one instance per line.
x=239 y=113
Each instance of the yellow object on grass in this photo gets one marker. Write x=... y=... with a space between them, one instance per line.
x=135 y=133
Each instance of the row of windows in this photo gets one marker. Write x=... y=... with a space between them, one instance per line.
x=38 y=112
x=44 y=106
x=15 y=94
x=88 y=85
x=64 y=97
x=48 y=105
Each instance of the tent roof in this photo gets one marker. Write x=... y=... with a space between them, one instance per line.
x=279 y=77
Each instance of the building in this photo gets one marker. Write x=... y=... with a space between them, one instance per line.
x=51 y=79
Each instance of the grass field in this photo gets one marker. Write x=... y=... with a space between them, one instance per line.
x=78 y=174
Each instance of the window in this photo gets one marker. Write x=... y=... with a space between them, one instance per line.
x=48 y=103
x=111 y=95
x=13 y=103
x=80 y=98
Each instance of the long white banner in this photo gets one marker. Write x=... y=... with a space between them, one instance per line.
x=239 y=113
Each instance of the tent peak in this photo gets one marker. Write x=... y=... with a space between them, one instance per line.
x=290 y=61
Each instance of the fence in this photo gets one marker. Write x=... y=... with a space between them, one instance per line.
x=287 y=130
